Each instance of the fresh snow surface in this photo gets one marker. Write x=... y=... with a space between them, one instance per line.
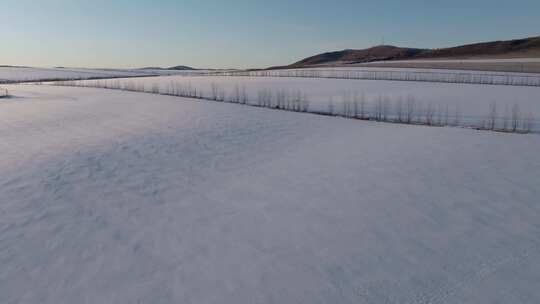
x=119 y=197
x=473 y=102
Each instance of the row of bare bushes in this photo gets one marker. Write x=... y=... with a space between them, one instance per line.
x=4 y=92
x=354 y=105
x=409 y=111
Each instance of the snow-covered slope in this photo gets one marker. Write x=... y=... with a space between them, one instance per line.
x=117 y=197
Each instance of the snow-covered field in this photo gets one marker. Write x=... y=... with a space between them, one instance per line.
x=471 y=102
x=401 y=74
x=119 y=197
x=28 y=74
x=527 y=65
x=508 y=60
x=333 y=71
x=519 y=65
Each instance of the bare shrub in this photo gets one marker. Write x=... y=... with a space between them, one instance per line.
x=260 y=98
x=457 y=115
x=385 y=108
x=410 y=111
x=346 y=101
x=528 y=123
x=4 y=92
x=214 y=91
x=331 y=106
x=289 y=100
x=506 y=118
x=492 y=116
x=265 y=98
x=191 y=91
x=516 y=116
x=399 y=109
x=305 y=103
x=379 y=108
x=446 y=115
x=281 y=97
x=440 y=114
x=155 y=88
x=363 y=113
x=221 y=95
x=355 y=105
x=429 y=113
x=296 y=100
x=243 y=95
x=235 y=96
x=270 y=98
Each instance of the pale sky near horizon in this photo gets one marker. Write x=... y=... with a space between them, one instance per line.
x=242 y=33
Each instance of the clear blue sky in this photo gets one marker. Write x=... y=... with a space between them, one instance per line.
x=242 y=33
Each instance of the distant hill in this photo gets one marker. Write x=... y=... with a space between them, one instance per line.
x=519 y=48
x=181 y=68
x=378 y=53
x=176 y=68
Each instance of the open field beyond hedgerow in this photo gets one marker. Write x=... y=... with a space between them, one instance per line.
x=501 y=107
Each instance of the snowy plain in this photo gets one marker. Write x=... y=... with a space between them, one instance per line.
x=367 y=67
x=120 y=197
x=512 y=60
x=29 y=74
x=471 y=101
x=527 y=65
x=400 y=74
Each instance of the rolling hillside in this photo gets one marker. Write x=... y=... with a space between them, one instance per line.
x=519 y=48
